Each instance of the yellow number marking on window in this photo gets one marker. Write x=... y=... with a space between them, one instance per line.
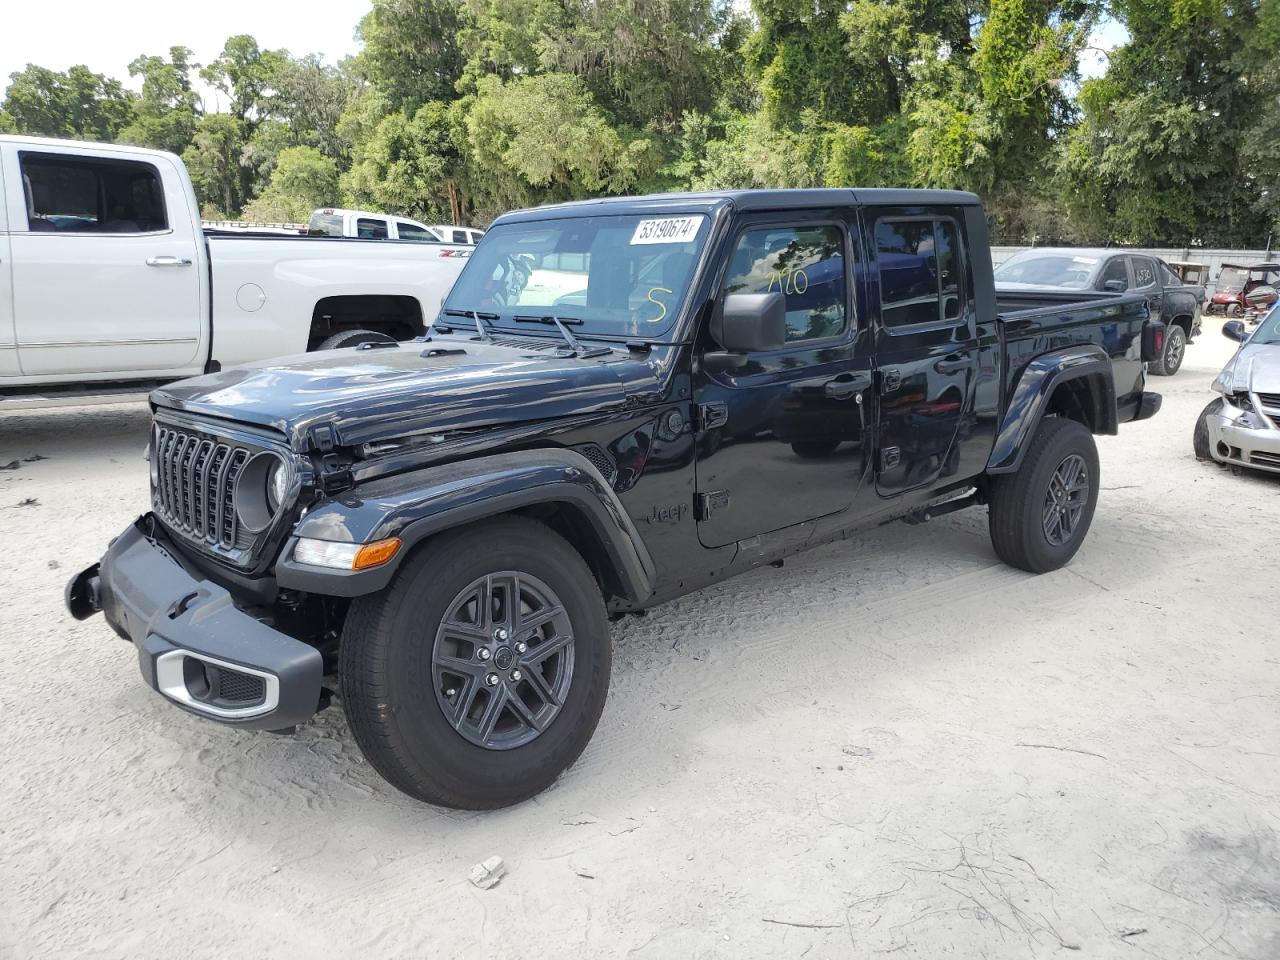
x=791 y=280
x=658 y=303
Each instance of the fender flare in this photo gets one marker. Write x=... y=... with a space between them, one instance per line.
x=1030 y=400
x=416 y=505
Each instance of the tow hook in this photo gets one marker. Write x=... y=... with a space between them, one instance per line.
x=82 y=594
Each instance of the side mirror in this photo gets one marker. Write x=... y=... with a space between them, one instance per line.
x=1115 y=286
x=1234 y=330
x=750 y=323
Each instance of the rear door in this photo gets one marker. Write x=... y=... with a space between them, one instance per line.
x=1146 y=281
x=372 y=228
x=8 y=340
x=926 y=344
x=105 y=276
x=781 y=438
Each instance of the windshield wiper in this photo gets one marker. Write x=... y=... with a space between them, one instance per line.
x=574 y=343
x=475 y=315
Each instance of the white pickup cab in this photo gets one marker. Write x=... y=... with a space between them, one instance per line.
x=106 y=276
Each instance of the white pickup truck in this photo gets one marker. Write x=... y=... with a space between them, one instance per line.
x=106 y=276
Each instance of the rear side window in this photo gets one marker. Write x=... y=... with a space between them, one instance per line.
x=411 y=231
x=921 y=266
x=79 y=195
x=369 y=229
x=325 y=225
x=1144 y=272
x=460 y=236
x=806 y=265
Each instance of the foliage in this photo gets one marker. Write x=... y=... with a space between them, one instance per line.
x=460 y=109
x=76 y=103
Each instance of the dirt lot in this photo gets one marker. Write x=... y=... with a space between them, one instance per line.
x=894 y=745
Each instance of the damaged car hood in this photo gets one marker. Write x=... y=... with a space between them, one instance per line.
x=440 y=386
x=1255 y=367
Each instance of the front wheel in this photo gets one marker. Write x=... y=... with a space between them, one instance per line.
x=1040 y=515
x=479 y=674
x=1200 y=435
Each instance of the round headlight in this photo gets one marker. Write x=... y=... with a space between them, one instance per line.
x=261 y=488
x=277 y=486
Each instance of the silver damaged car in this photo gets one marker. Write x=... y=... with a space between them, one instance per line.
x=1241 y=428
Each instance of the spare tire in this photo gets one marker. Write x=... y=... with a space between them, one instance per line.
x=353 y=338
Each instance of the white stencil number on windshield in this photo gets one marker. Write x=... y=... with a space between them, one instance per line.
x=666 y=230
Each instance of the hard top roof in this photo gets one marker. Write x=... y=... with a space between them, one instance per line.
x=744 y=200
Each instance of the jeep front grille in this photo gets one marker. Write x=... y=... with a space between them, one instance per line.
x=195 y=485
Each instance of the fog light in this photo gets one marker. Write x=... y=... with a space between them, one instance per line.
x=345 y=556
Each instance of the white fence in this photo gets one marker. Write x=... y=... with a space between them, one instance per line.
x=1215 y=258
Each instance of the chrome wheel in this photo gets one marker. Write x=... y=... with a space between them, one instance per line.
x=1174 y=351
x=1065 y=500
x=502 y=662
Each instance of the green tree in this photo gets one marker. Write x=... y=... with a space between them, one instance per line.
x=247 y=75
x=7 y=124
x=213 y=160
x=78 y=103
x=168 y=109
x=411 y=50
x=410 y=165
x=303 y=180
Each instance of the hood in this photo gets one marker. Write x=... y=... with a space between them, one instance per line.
x=1255 y=367
x=438 y=386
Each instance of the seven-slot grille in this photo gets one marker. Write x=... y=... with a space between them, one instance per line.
x=195 y=485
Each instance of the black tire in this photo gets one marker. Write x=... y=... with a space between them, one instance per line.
x=388 y=675
x=1234 y=310
x=353 y=338
x=1200 y=435
x=814 y=449
x=1175 y=349
x=1019 y=502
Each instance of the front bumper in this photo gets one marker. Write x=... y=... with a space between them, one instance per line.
x=1256 y=448
x=195 y=646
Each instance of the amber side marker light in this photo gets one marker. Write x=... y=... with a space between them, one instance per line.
x=375 y=554
x=345 y=556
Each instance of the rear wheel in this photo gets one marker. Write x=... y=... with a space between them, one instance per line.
x=1175 y=349
x=1040 y=515
x=1200 y=435
x=479 y=674
x=1234 y=310
x=353 y=338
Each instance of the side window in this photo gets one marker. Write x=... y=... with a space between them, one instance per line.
x=1114 y=270
x=326 y=225
x=921 y=266
x=79 y=195
x=460 y=236
x=476 y=235
x=1144 y=271
x=370 y=229
x=411 y=231
x=806 y=265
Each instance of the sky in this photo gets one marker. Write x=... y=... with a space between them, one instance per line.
x=107 y=36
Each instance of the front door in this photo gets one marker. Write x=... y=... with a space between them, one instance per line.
x=781 y=438
x=105 y=279
x=926 y=345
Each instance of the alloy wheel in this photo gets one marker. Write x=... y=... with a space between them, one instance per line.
x=502 y=661
x=1065 y=500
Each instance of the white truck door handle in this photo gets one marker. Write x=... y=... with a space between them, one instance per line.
x=168 y=262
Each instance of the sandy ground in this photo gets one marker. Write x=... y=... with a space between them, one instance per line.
x=894 y=745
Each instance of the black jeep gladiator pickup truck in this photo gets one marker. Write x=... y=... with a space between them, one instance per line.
x=621 y=401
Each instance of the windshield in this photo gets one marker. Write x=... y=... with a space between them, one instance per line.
x=1268 y=330
x=1231 y=279
x=1047 y=270
x=622 y=276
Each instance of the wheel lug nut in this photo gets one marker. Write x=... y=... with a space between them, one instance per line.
x=499 y=634
x=521 y=647
x=483 y=654
x=516 y=676
x=491 y=679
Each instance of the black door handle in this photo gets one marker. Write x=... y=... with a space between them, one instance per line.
x=842 y=388
x=946 y=367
